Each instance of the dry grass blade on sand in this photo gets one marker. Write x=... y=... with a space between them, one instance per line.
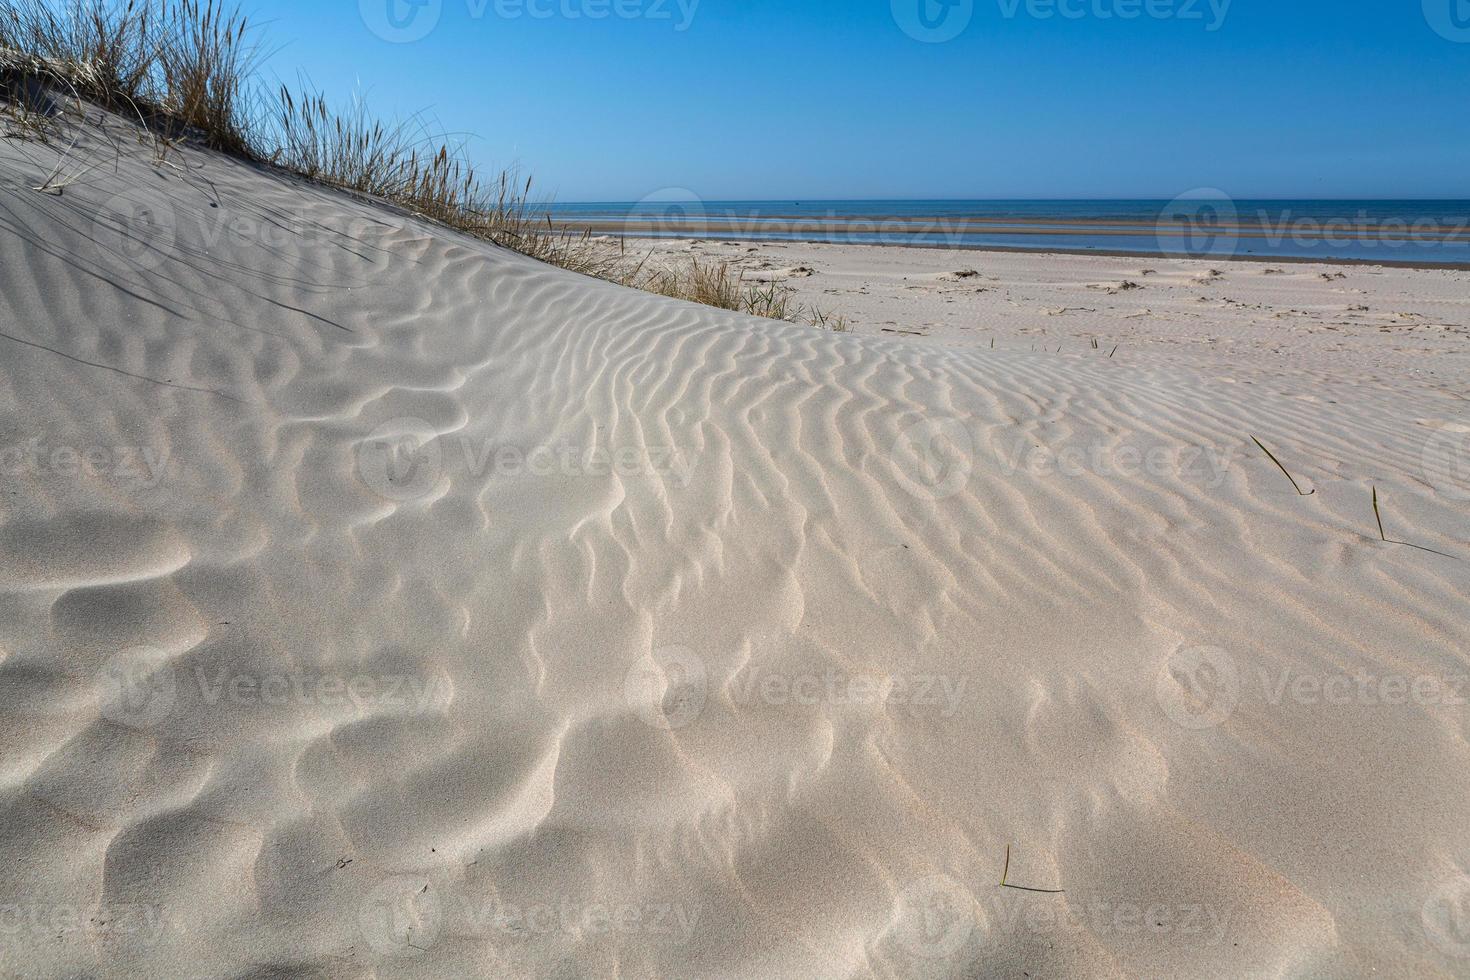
x=1283 y=469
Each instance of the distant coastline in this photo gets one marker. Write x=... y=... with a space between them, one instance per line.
x=1423 y=234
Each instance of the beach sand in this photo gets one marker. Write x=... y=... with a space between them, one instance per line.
x=375 y=602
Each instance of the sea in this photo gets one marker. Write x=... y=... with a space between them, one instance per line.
x=1413 y=232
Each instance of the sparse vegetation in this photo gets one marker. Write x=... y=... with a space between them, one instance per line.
x=182 y=66
x=1294 y=484
x=1006 y=874
x=186 y=70
x=1383 y=534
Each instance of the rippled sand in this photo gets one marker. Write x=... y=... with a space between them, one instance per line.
x=376 y=602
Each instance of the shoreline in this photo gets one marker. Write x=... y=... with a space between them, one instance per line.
x=1460 y=231
x=1052 y=251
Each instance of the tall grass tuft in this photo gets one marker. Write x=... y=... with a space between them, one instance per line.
x=206 y=61
x=183 y=65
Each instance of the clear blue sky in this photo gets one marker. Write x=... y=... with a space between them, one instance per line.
x=812 y=99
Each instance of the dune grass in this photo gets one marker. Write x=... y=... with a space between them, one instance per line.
x=188 y=70
x=185 y=66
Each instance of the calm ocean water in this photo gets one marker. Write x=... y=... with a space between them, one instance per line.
x=1207 y=226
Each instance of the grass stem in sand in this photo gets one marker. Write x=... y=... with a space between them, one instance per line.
x=1006 y=873
x=1282 y=468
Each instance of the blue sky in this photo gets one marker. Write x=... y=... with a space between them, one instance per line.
x=759 y=99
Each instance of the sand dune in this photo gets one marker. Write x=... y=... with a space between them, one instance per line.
x=377 y=602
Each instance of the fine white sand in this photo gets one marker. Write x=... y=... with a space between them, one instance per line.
x=378 y=603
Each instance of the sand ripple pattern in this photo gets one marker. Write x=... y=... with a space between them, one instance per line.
x=430 y=612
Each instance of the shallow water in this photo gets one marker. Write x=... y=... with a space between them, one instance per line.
x=1412 y=232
